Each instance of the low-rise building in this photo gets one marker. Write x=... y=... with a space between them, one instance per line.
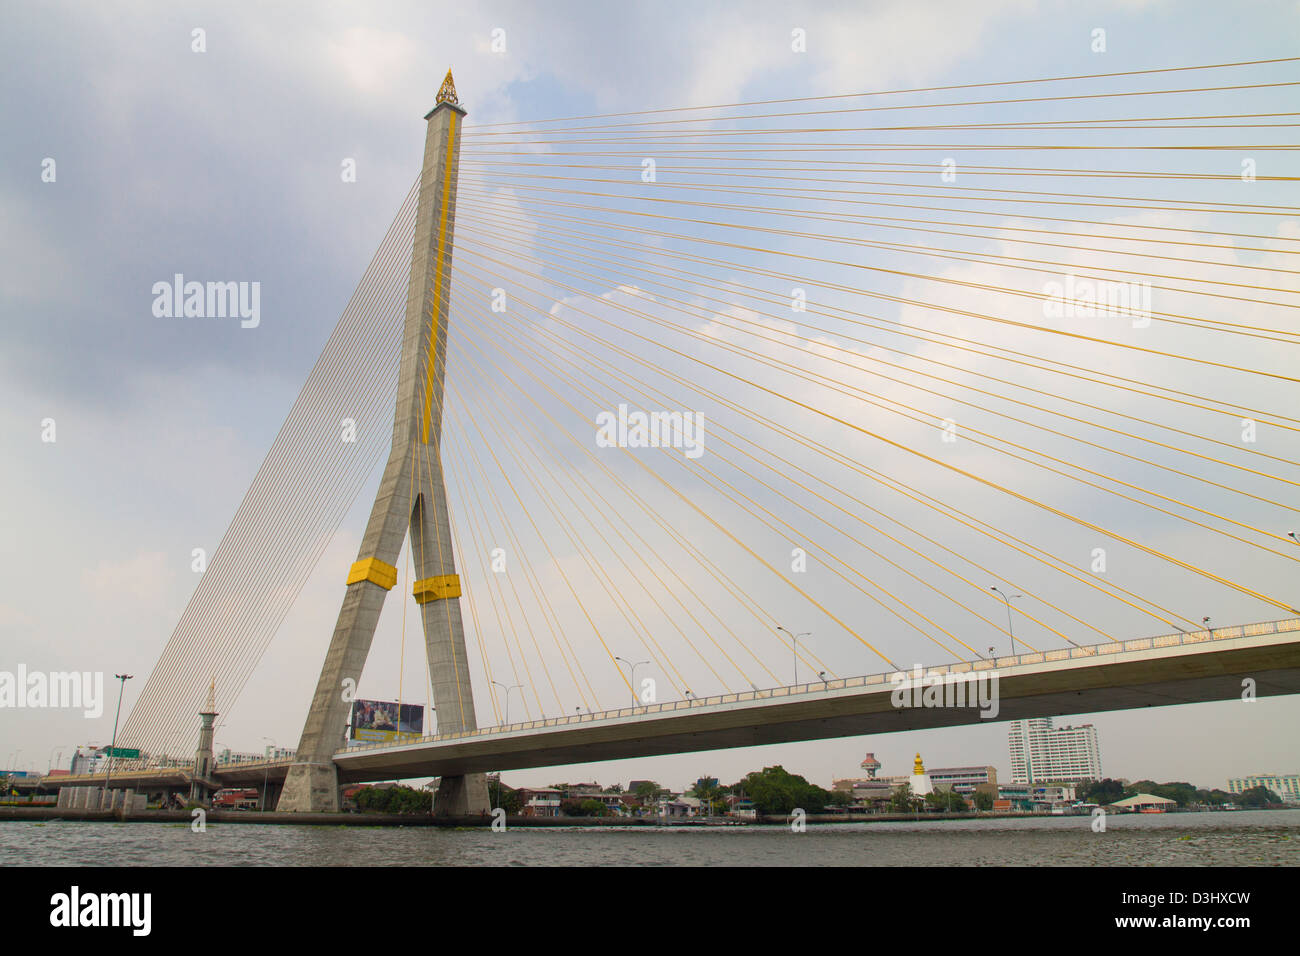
x=1285 y=785
x=539 y=801
x=962 y=780
x=244 y=799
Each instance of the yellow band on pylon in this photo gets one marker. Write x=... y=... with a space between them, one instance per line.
x=375 y=571
x=436 y=589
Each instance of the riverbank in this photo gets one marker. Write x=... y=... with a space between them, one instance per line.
x=250 y=817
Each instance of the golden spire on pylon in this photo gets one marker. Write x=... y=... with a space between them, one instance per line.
x=918 y=768
x=447 y=92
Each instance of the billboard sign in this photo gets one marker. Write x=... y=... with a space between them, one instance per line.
x=380 y=721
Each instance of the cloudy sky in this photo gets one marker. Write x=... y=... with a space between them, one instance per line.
x=225 y=165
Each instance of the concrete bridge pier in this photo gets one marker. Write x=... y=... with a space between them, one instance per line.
x=412 y=497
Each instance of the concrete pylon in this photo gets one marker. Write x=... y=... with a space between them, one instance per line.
x=411 y=495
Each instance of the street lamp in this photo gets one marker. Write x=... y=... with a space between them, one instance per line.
x=635 y=697
x=1007 y=600
x=112 y=750
x=508 y=690
x=794 y=647
x=49 y=764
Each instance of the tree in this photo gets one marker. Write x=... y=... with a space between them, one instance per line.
x=776 y=791
x=946 y=801
x=840 y=798
x=393 y=800
x=708 y=792
x=1103 y=791
x=902 y=801
x=647 y=791
x=1214 y=798
x=1258 y=797
x=983 y=800
x=511 y=801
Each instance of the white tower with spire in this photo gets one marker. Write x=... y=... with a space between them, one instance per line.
x=920 y=781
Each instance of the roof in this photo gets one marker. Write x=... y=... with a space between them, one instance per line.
x=1142 y=800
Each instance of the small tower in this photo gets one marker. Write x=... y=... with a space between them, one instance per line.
x=920 y=781
x=203 y=755
x=871 y=765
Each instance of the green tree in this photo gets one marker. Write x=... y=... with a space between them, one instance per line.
x=403 y=800
x=647 y=791
x=902 y=801
x=776 y=791
x=1258 y=797
x=710 y=795
x=983 y=800
x=1102 y=791
x=946 y=801
x=499 y=795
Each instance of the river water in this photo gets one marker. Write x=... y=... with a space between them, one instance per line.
x=1244 y=837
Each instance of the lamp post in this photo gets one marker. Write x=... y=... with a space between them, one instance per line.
x=794 y=647
x=12 y=766
x=636 y=698
x=49 y=764
x=112 y=750
x=508 y=690
x=1007 y=599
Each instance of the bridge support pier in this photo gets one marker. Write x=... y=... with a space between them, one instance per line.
x=411 y=497
x=465 y=796
x=310 y=788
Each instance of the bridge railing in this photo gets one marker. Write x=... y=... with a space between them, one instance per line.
x=841 y=683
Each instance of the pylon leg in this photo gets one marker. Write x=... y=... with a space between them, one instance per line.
x=312 y=782
x=437 y=589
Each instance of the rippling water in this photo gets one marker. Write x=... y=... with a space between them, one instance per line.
x=1260 y=837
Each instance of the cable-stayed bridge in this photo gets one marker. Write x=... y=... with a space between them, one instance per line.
x=757 y=398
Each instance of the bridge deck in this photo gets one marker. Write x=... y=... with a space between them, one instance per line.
x=1160 y=671
x=1147 y=672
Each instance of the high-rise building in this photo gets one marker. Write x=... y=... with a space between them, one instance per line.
x=1041 y=753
